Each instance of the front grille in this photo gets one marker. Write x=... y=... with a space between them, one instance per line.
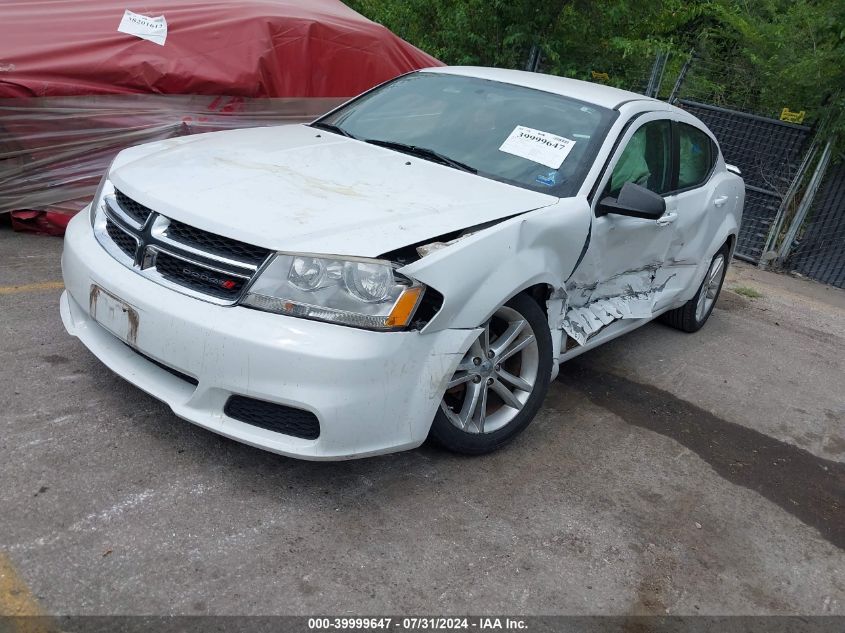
x=198 y=278
x=134 y=210
x=273 y=417
x=215 y=244
x=172 y=253
x=122 y=239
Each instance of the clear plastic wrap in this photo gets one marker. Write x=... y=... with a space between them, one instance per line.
x=79 y=81
x=53 y=150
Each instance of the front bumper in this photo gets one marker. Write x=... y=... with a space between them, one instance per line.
x=372 y=392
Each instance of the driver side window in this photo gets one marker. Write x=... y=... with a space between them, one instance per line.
x=646 y=160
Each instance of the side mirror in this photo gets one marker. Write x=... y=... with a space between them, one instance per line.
x=634 y=201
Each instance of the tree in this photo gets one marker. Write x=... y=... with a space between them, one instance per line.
x=759 y=56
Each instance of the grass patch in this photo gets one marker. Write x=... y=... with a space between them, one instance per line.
x=745 y=291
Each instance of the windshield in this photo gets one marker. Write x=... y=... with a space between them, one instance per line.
x=530 y=138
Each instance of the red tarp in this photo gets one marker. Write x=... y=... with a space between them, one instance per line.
x=251 y=48
x=74 y=90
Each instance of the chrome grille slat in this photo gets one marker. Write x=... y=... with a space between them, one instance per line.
x=180 y=271
x=124 y=240
x=119 y=215
x=160 y=231
x=190 y=237
x=135 y=210
x=204 y=265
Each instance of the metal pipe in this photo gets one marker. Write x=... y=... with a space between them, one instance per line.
x=673 y=96
x=533 y=59
x=656 y=94
x=804 y=207
x=768 y=252
x=652 y=80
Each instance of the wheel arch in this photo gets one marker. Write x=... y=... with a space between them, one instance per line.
x=540 y=292
x=730 y=242
x=725 y=235
x=489 y=296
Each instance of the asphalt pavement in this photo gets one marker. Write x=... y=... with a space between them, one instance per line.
x=666 y=473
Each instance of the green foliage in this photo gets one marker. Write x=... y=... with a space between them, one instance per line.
x=757 y=55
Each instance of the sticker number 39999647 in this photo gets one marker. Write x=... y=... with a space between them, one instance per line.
x=538 y=146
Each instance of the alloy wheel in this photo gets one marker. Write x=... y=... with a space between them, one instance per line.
x=710 y=288
x=495 y=377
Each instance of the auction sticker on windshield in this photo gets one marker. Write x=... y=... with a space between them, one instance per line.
x=538 y=146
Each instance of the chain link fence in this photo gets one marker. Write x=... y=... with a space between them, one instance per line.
x=789 y=221
x=819 y=251
x=769 y=153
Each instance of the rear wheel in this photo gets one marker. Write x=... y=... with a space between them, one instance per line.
x=500 y=382
x=691 y=316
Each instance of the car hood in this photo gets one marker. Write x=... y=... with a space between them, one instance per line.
x=297 y=188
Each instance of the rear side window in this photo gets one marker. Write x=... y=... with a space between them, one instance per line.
x=646 y=160
x=697 y=156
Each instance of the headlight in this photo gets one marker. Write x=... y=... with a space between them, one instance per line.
x=360 y=292
x=105 y=188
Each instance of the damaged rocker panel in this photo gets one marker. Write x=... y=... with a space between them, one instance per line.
x=631 y=294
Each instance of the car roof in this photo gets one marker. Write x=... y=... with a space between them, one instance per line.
x=594 y=93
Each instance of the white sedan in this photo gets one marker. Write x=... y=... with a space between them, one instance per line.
x=414 y=264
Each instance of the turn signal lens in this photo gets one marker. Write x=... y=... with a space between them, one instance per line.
x=404 y=308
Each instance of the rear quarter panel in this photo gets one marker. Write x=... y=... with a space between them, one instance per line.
x=722 y=226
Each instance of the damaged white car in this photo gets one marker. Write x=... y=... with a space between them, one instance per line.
x=414 y=264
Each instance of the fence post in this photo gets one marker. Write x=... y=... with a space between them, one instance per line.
x=769 y=253
x=673 y=96
x=804 y=207
x=656 y=77
x=652 y=79
x=656 y=94
x=533 y=59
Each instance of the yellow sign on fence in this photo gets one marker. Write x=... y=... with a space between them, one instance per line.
x=792 y=117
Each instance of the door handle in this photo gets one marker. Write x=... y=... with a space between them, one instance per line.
x=720 y=201
x=668 y=218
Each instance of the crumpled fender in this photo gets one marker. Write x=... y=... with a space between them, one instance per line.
x=481 y=271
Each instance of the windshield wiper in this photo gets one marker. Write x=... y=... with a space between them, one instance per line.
x=331 y=127
x=422 y=152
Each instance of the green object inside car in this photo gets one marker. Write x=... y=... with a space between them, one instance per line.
x=632 y=165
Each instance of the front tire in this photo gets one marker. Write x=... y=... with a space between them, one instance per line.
x=692 y=316
x=500 y=383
